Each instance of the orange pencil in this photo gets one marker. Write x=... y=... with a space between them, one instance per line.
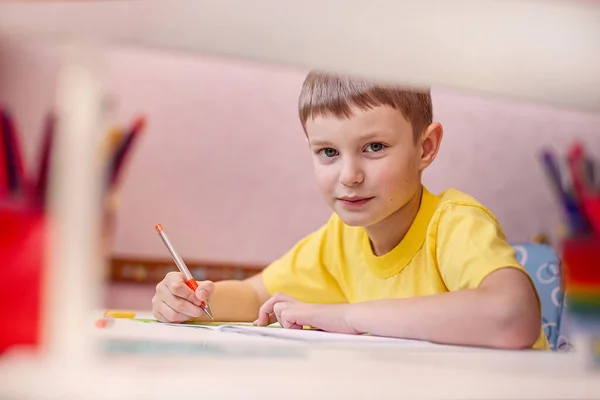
x=189 y=279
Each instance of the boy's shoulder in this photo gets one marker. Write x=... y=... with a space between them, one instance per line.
x=454 y=200
x=458 y=209
x=457 y=197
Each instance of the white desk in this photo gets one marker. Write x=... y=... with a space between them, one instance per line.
x=293 y=370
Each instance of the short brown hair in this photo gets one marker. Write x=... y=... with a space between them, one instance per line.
x=326 y=94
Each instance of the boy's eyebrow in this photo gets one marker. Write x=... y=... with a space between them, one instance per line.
x=366 y=137
x=371 y=135
x=319 y=142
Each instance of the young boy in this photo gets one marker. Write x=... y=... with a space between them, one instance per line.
x=394 y=259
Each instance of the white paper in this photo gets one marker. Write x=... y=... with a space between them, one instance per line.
x=212 y=327
x=304 y=335
x=309 y=335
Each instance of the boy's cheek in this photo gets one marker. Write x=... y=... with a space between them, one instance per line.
x=399 y=176
x=326 y=181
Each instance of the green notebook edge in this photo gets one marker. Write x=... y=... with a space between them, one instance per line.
x=203 y=323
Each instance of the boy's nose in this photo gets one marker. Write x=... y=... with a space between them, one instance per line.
x=351 y=174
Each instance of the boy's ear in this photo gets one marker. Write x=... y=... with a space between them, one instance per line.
x=430 y=143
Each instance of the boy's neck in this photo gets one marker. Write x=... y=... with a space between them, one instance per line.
x=386 y=235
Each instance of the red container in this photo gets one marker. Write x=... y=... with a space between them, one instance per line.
x=22 y=248
x=581 y=255
x=591 y=207
x=581 y=269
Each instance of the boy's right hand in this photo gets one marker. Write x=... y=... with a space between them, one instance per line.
x=174 y=301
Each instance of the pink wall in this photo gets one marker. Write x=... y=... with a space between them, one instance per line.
x=224 y=165
x=209 y=170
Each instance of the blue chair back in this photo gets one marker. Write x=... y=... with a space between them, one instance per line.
x=543 y=265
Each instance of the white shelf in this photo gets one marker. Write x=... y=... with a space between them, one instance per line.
x=227 y=366
x=543 y=51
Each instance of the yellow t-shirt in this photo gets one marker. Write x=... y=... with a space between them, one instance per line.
x=453 y=244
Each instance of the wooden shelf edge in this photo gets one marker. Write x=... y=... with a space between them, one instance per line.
x=151 y=270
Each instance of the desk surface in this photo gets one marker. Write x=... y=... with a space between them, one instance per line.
x=153 y=361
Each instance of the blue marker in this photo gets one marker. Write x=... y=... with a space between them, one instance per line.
x=578 y=224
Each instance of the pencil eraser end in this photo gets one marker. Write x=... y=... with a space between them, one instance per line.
x=159 y=228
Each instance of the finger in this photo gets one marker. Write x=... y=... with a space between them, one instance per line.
x=164 y=297
x=182 y=306
x=264 y=312
x=267 y=308
x=288 y=319
x=272 y=320
x=204 y=291
x=286 y=313
x=278 y=308
x=159 y=317
x=156 y=301
x=171 y=315
x=174 y=282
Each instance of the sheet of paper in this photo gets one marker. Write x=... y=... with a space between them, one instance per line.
x=303 y=335
x=215 y=326
x=309 y=335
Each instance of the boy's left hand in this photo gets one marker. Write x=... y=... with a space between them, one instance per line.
x=295 y=314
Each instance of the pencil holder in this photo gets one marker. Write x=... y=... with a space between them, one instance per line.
x=22 y=248
x=591 y=207
x=581 y=281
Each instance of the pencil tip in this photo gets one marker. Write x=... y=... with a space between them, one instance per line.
x=208 y=312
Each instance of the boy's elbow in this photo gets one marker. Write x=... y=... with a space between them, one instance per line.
x=519 y=336
x=520 y=326
x=514 y=304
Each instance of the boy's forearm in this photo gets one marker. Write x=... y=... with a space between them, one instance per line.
x=466 y=317
x=233 y=301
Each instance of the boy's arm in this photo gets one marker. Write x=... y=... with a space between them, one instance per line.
x=237 y=301
x=502 y=312
x=490 y=302
x=299 y=272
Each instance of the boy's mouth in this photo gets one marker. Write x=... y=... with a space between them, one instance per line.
x=354 y=201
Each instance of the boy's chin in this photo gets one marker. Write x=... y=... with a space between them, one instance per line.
x=355 y=219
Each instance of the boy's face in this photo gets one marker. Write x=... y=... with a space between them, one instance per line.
x=367 y=166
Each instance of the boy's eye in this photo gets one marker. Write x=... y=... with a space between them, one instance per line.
x=375 y=147
x=329 y=152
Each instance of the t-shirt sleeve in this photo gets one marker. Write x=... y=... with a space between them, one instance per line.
x=302 y=272
x=471 y=245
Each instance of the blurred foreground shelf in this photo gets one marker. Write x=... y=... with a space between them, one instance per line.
x=543 y=51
